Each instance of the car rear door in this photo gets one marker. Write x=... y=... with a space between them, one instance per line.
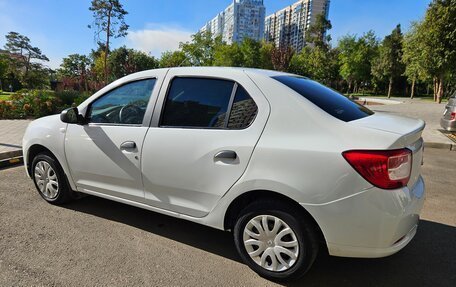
x=203 y=133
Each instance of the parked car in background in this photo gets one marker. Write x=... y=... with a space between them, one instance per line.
x=288 y=165
x=448 y=120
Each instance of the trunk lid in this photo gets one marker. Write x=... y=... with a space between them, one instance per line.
x=408 y=131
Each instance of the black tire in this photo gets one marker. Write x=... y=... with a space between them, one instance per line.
x=64 y=192
x=302 y=227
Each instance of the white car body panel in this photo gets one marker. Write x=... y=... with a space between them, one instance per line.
x=102 y=166
x=292 y=148
x=189 y=180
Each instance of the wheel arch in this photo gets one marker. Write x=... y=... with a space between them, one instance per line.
x=34 y=150
x=243 y=200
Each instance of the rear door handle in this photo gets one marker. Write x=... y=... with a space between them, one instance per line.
x=226 y=154
x=128 y=145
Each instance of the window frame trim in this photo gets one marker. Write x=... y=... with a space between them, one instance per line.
x=149 y=109
x=228 y=111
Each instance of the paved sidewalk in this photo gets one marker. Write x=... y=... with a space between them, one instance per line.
x=428 y=111
x=11 y=132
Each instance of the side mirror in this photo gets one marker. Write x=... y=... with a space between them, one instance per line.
x=71 y=116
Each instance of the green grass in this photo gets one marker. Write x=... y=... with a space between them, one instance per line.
x=4 y=96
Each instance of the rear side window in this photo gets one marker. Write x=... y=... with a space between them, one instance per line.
x=243 y=111
x=207 y=103
x=194 y=102
x=325 y=98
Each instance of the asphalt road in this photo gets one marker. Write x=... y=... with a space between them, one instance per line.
x=98 y=242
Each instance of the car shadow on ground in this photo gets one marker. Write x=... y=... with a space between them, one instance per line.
x=429 y=260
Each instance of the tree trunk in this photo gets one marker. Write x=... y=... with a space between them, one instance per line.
x=355 y=88
x=412 y=94
x=440 y=92
x=349 y=86
x=27 y=65
x=108 y=34
x=390 y=87
x=436 y=87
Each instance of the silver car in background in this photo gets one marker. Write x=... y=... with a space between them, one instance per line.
x=448 y=120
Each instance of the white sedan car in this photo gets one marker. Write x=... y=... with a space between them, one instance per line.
x=288 y=165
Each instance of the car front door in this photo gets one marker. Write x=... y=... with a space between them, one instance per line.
x=104 y=155
x=202 y=136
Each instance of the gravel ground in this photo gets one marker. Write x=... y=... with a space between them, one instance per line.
x=96 y=242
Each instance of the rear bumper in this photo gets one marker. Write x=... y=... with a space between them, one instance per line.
x=374 y=223
x=448 y=125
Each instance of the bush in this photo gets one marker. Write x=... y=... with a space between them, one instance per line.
x=38 y=103
x=71 y=98
x=33 y=103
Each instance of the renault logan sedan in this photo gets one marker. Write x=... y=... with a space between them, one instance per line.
x=289 y=166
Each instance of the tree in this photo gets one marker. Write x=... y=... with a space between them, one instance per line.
x=228 y=56
x=76 y=66
x=317 y=60
x=170 y=59
x=266 y=55
x=125 y=61
x=200 y=50
x=412 y=57
x=109 y=19
x=281 y=58
x=250 y=50
x=388 y=64
x=3 y=69
x=22 y=52
x=316 y=35
x=316 y=63
x=438 y=32
x=299 y=63
x=355 y=57
x=348 y=58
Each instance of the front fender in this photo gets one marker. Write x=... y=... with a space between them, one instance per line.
x=48 y=132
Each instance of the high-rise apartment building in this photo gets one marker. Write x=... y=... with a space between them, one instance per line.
x=287 y=27
x=241 y=19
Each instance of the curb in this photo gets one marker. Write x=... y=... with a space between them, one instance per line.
x=11 y=158
x=448 y=146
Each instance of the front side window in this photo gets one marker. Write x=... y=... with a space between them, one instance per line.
x=126 y=104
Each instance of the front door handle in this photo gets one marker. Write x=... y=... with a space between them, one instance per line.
x=128 y=145
x=226 y=154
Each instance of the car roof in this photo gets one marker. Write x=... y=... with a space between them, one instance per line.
x=210 y=69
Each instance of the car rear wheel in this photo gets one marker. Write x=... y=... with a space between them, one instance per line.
x=50 y=180
x=275 y=240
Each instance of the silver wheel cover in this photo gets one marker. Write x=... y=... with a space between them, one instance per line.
x=271 y=243
x=46 y=180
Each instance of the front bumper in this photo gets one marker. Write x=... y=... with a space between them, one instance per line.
x=373 y=223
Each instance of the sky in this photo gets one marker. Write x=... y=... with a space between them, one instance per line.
x=59 y=27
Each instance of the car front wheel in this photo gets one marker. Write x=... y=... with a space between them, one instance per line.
x=275 y=240
x=50 y=180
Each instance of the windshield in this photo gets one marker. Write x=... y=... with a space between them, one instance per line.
x=325 y=98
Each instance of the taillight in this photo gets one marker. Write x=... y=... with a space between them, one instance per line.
x=389 y=169
x=452 y=116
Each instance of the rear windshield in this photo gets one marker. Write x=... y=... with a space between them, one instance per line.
x=325 y=98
